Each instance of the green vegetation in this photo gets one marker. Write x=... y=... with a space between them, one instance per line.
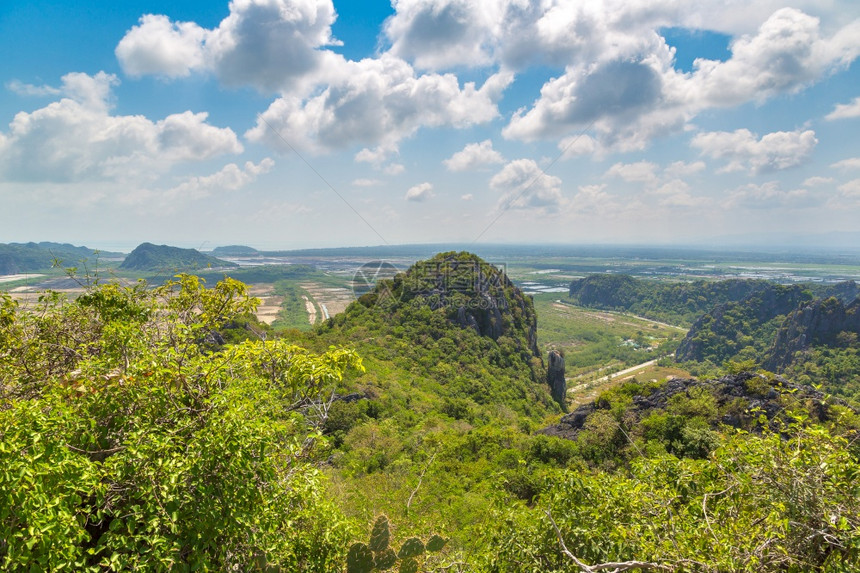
x=165 y=429
x=30 y=257
x=598 y=342
x=293 y=312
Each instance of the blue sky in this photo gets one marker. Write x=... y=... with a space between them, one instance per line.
x=301 y=123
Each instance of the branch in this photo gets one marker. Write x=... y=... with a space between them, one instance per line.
x=421 y=477
x=612 y=566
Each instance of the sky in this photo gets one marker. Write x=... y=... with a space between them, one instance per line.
x=311 y=123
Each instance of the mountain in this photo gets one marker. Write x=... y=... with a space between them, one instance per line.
x=827 y=322
x=28 y=257
x=149 y=257
x=235 y=251
x=744 y=328
x=458 y=330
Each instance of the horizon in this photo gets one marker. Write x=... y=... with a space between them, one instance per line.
x=296 y=124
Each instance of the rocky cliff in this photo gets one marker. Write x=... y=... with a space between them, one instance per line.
x=828 y=322
x=739 y=399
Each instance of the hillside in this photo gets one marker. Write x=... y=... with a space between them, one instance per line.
x=234 y=251
x=740 y=330
x=163 y=433
x=28 y=257
x=678 y=303
x=149 y=257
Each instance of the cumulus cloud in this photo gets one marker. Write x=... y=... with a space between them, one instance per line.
x=435 y=34
x=845 y=110
x=374 y=101
x=22 y=89
x=846 y=164
x=230 y=178
x=786 y=54
x=850 y=190
x=420 y=193
x=474 y=156
x=639 y=172
x=78 y=139
x=524 y=185
x=157 y=46
x=264 y=43
x=629 y=92
x=768 y=196
x=743 y=150
x=365 y=182
x=817 y=181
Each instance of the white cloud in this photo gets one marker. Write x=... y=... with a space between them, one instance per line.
x=436 y=34
x=817 y=181
x=419 y=193
x=377 y=102
x=366 y=182
x=22 y=89
x=851 y=163
x=850 y=190
x=157 y=46
x=78 y=139
x=639 y=172
x=474 y=156
x=845 y=110
x=394 y=169
x=629 y=92
x=745 y=151
x=768 y=196
x=264 y=43
x=467 y=197
x=682 y=169
x=524 y=185
x=786 y=54
x=230 y=178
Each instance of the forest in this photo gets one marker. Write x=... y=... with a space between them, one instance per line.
x=161 y=426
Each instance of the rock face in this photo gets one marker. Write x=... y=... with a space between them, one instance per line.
x=821 y=322
x=555 y=378
x=717 y=333
x=749 y=394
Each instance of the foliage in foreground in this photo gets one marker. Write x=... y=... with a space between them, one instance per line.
x=130 y=440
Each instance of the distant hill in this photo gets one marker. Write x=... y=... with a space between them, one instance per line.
x=29 y=257
x=149 y=257
x=235 y=251
x=680 y=303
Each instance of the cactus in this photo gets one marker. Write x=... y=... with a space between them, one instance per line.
x=412 y=547
x=378 y=555
x=409 y=566
x=359 y=559
x=385 y=559
x=380 y=536
x=436 y=543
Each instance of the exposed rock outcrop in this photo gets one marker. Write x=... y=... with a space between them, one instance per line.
x=748 y=394
x=555 y=378
x=821 y=322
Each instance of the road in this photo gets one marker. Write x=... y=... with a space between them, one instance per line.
x=617 y=374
